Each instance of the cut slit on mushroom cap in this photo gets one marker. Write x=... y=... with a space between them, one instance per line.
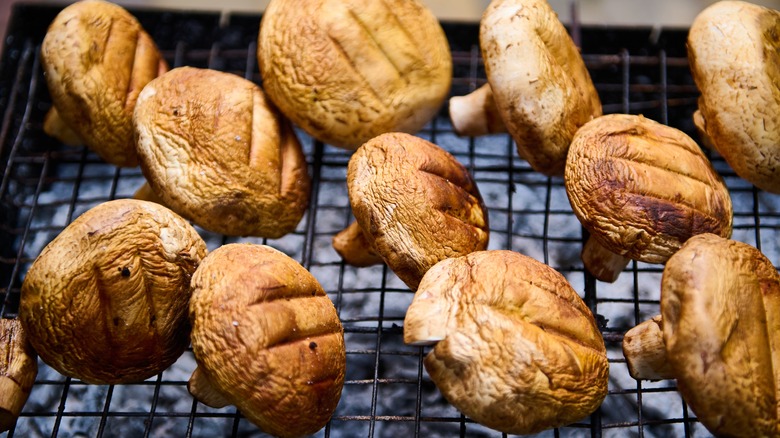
x=514 y=347
x=18 y=369
x=641 y=189
x=540 y=85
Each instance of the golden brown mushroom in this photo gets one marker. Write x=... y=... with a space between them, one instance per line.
x=18 y=368
x=97 y=58
x=641 y=189
x=106 y=300
x=347 y=71
x=415 y=203
x=214 y=150
x=515 y=348
x=538 y=80
x=734 y=52
x=267 y=339
x=720 y=302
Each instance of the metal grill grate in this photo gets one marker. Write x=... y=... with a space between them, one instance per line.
x=387 y=392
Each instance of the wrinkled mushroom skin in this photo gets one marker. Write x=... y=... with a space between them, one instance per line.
x=347 y=71
x=539 y=81
x=642 y=188
x=720 y=302
x=734 y=53
x=97 y=58
x=267 y=337
x=106 y=301
x=415 y=203
x=215 y=151
x=18 y=369
x=516 y=349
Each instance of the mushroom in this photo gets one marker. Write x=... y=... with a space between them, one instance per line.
x=641 y=189
x=720 y=301
x=538 y=80
x=346 y=72
x=353 y=246
x=733 y=48
x=415 y=203
x=18 y=368
x=214 y=150
x=106 y=300
x=267 y=339
x=514 y=347
x=645 y=351
x=97 y=58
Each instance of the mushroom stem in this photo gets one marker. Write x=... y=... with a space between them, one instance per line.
x=645 y=351
x=145 y=193
x=54 y=126
x=353 y=246
x=701 y=128
x=201 y=388
x=18 y=368
x=601 y=262
x=476 y=113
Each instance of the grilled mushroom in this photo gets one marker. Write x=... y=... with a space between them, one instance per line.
x=97 y=58
x=267 y=339
x=347 y=71
x=415 y=203
x=538 y=80
x=515 y=348
x=214 y=150
x=18 y=368
x=645 y=351
x=641 y=189
x=734 y=52
x=720 y=302
x=106 y=300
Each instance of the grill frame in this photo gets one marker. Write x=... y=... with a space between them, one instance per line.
x=636 y=70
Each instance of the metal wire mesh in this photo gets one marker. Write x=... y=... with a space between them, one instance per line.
x=387 y=392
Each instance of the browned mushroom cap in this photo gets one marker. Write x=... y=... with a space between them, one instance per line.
x=645 y=351
x=415 y=203
x=347 y=71
x=516 y=349
x=539 y=81
x=642 y=188
x=106 y=301
x=18 y=368
x=720 y=302
x=734 y=52
x=97 y=58
x=215 y=151
x=267 y=338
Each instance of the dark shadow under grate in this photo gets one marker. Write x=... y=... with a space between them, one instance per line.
x=387 y=393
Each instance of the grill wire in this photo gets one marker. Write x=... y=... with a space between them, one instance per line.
x=387 y=393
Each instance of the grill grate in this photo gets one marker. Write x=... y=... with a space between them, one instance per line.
x=387 y=392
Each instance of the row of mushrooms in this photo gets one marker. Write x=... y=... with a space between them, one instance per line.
x=125 y=288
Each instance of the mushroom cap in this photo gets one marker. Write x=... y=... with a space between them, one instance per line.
x=216 y=151
x=540 y=84
x=642 y=188
x=415 y=203
x=516 y=349
x=18 y=369
x=268 y=338
x=96 y=59
x=106 y=300
x=734 y=52
x=347 y=71
x=720 y=302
